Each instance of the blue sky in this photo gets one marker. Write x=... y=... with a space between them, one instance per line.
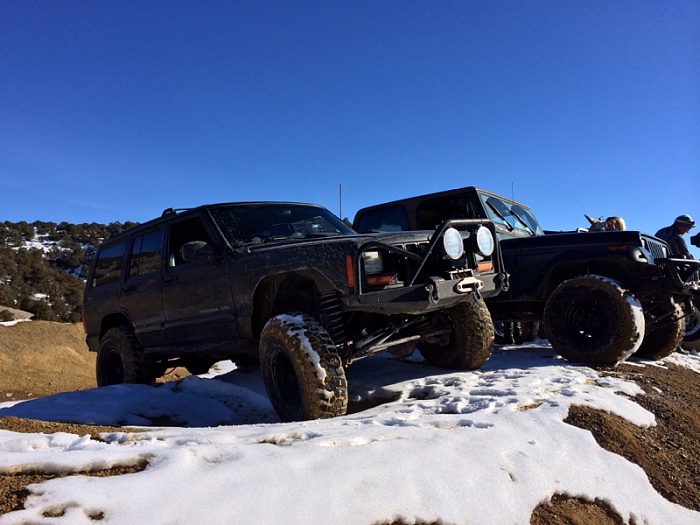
x=113 y=111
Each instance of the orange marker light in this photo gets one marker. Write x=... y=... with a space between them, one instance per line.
x=350 y=271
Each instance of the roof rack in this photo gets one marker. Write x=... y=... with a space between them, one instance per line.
x=170 y=211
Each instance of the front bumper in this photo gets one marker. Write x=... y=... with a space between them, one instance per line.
x=436 y=294
x=421 y=290
x=683 y=272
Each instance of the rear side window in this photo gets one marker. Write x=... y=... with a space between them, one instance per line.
x=388 y=219
x=108 y=266
x=432 y=213
x=145 y=253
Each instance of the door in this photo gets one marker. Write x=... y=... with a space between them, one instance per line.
x=197 y=296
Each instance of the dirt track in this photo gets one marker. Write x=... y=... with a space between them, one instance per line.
x=39 y=358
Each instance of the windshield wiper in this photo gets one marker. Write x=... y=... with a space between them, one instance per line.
x=523 y=222
x=505 y=221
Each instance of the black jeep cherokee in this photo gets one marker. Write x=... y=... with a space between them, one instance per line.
x=602 y=296
x=292 y=285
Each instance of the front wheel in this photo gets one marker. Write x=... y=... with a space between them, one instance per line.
x=463 y=337
x=592 y=319
x=301 y=369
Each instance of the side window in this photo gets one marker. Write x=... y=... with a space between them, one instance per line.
x=145 y=253
x=181 y=233
x=109 y=264
x=432 y=213
x=389 y=219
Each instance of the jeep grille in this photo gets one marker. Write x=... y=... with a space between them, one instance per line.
x=655 y=247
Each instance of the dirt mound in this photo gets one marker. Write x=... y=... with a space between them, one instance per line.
x=38 y=358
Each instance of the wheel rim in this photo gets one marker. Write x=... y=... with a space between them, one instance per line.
x=284 y=378
x=585 y=319
x=113 y=368
x=692 y=324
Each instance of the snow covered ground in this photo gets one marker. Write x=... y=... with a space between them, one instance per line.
x=483 y=447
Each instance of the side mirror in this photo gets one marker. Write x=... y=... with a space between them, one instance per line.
x=197 y=251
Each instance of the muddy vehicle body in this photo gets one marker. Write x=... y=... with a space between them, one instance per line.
x=601 y=296
x=290 y=286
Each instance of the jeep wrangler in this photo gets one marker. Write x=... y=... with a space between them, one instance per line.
x=290 y=286
x=602 y=296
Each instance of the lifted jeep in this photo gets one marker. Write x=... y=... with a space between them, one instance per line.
x=291 y=285
x=602 y=296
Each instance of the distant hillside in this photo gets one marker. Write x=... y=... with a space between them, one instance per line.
x=43 y=266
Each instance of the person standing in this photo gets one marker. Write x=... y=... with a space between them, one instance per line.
x=673 y=235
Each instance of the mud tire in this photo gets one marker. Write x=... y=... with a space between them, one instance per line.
x=503 y=332
x=301 y=369
x=593 y=320
x=515 y=332
x=691 y=336
x=120 y=359
x=662 y=341
x=468 y=342
x=525 y=331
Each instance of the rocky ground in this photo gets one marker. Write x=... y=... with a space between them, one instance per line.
x=39 y=358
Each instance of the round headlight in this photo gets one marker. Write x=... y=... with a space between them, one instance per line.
x=453 y=243
x=484 y=241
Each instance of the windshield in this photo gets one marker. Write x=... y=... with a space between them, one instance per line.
x=257 y=223
x=511 y=215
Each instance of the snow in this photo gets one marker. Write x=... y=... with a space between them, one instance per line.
x=485 y=447
x=12 y=323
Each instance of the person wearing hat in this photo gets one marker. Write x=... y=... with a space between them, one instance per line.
x=673 y=235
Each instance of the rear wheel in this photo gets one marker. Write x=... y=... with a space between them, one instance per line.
x=592 y=319
x=120 y=359
x=464 y=337
x=503 y=332
x=302 y=371
x=525 y=331
x=664 y=330
x=691 y=337
x=516 y=332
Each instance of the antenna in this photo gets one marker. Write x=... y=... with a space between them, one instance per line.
x=340 y=199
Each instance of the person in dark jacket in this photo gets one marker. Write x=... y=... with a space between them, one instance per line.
x=673 y=235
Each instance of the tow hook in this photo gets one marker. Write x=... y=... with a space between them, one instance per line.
x=433 y=295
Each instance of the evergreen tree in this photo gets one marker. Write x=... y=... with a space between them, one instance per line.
x=45 y=281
